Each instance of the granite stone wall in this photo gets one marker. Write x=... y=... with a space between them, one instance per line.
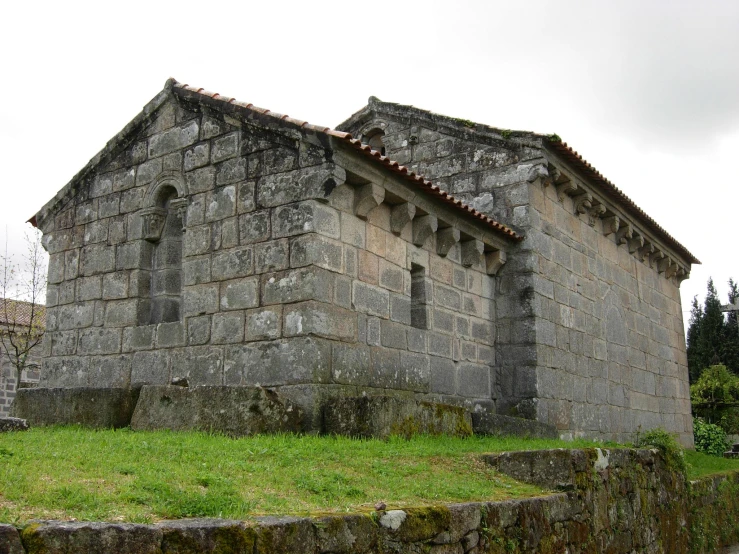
x=589 y=330
x=216 y=251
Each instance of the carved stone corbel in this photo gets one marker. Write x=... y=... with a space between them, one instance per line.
x=671 y=270
x=681 y=275
x=595 y=213
x=471 y=252
x=539 y=171
x=656 y=258
x=645 y=252
x=624 y=234
x=583 y=202
x=565 y=189
x=423 y=228
x=494 y=261
x=636 y=243
x=445 y=239
x=179 y=205
x=153 y=222
x=367 y=198
x=401 y=215
x=611 y=225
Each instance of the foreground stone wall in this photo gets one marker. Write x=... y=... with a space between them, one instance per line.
x=615 y=501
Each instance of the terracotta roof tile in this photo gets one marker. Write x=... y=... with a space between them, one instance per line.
x=20 y=313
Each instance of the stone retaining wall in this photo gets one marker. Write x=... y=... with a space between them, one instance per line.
x=617 y=501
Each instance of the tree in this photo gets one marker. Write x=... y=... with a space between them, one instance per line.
x=712 y=338
x=22 y=310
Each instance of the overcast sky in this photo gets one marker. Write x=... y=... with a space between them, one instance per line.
x=648 y=92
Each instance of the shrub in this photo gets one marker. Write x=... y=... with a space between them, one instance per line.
x=667 y=445
x=716 y=384
x=709 y=438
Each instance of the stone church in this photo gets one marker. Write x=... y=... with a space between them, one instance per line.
x=215 y=243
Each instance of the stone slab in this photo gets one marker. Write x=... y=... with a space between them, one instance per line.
x=235 y=411
x=486 y=423
x=382 y=416
x=8 y=424
x=87 y=406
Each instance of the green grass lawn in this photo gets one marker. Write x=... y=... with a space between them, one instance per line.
x=72 y=473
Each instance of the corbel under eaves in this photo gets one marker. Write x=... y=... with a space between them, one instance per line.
x=367 y=198
x=401 y=215
x=583 y=202
x=595 y=213
x=624 y=234
x=611 y=224
x=446 y=239
x=636 y=243
x=494 y=261
x=423 y=228
x=471 y=251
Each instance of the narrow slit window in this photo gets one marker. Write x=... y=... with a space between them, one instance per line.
x=420 y=295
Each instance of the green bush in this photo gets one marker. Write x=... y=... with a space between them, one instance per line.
x=667 y=444
x=716 y=384
x=709 y=437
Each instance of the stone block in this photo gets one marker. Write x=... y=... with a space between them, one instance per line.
x=225 y=147
x=353 y=230
x=207 y=535
x=231 y=171
x=371 y=299
x=171 y=334
x=305 y=217
x=97 y=258
x=99 y=341
x=254 y=227
x=139 y=338
x=200 y=180
x=150 y=367
x=246 y=197
x=196 y=270
x=220 y=203
x=227 y=328
x=197 y=156
x=233 y=263
x=263 y=323
x=110 y=371
x=134 y=255
x=285 y=534
x=368 y=269
x=125 y=313
x=415 y=372
x=350 y=364
x=239 y=294
x=198 y=330
x=473 y=380
x=278 y=362
x=320 y=319
x=316 y=250
x=310 y=283
x=173 y=139
x=197 y=240
x=199 y=365
x=416 y=339
x=443 y=376
x=391 y=276
x=383 y=416
x=392 y=334
x=8 y=425
x=91 y=407
x=115 y=285
x=200 y=299
x=440 y=345
x=89 y=288
x=487 y=423
x=293 y=186
x=96 y=231
x=63 y=343
x=271 y=256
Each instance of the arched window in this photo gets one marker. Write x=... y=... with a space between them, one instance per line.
x=164 y=222
x=375 y=140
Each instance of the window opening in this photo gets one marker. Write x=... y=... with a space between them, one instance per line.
x=420 y=295
x=166 y=262
x=375 y=141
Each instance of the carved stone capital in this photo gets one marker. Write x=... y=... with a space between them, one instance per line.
x=401 y=215
x=595 y=213
x=423 y=228
x=565 y=189
x=179 y=205
x=153 y=222
x=471 y=252
x=367 y=198
x=445 y=239
x=611 y=225
x=583 y=202
x=624 y=234
x=494 y=261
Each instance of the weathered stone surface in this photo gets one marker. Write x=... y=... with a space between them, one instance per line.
x=58 y=537
x=8 y=424
x=206 y=536
x=382 y=416
x=91 y=407
x=495 y=424
x=237 y=411
x=10 y=540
